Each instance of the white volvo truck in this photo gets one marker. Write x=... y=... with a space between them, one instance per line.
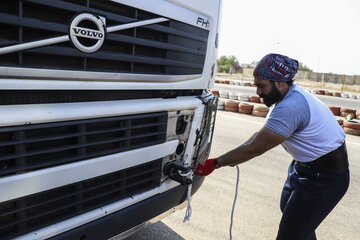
x=104 y=109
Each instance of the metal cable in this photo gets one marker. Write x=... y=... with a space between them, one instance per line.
x=236 y=193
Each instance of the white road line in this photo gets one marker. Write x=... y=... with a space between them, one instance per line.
x=242 y=119
x=355 y=143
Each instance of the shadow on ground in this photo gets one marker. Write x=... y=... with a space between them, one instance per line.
x=156 y=231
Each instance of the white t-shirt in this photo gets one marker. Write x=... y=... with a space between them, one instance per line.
x=310 y=128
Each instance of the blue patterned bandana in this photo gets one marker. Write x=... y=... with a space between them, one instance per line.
x=276 y=67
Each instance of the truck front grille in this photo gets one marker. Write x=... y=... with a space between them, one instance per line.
x=32 y=212
x=171 y=48
x=29 y=147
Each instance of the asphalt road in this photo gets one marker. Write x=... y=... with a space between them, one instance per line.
x=257 y=212
x=328 y=100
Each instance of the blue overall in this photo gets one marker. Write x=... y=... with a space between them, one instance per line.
x=307 y=198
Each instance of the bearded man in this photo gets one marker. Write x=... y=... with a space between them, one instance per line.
x=318 y=175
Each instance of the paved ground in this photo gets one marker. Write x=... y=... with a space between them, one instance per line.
x=257 y=212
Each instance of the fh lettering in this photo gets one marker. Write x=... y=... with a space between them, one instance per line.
x=202 y=22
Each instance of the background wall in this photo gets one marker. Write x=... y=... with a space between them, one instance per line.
x=328 y=78
x=312 y=76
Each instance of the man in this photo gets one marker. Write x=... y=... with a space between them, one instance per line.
x=318 y=177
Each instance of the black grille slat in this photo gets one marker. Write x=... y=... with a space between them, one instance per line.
x=144 y=42
x=71 y=159
x=76 y=122
x=29 y=147
x=59 y=149
x=49 y=207
x=177 y=32
x=4 y=144
x=14 y=97
x=170 y=47
x=34 y=206
x=31 y=23
x=69 y=52
x=77 y=8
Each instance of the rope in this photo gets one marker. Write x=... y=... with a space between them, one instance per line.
x=189 y=208
x=233 y=208
x=188 y=212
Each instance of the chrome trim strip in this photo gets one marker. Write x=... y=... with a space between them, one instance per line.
x=13 y=115
x=20 y=84
x=35 y=44
x=50 y=41
x=51 y=74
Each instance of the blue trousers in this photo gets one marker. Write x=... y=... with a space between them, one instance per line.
x=307 y=198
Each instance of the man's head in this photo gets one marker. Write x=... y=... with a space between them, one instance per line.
x=273 y=77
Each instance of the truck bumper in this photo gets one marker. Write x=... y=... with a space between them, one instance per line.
x=130 y=217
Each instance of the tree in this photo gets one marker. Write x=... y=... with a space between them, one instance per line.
x=303 y=67
x=225 y=62
x=254 y=63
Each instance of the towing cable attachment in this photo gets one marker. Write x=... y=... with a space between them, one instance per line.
x=178 y=172
x=183 y=174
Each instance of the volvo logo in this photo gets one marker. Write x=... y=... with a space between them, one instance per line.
x=87 y=32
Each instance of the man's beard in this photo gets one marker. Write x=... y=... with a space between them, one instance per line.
x=273 y=96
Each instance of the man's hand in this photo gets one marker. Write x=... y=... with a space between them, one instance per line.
x=208 y=167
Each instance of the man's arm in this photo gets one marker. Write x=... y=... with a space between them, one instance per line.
x=251 y=138
x=259 y=143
